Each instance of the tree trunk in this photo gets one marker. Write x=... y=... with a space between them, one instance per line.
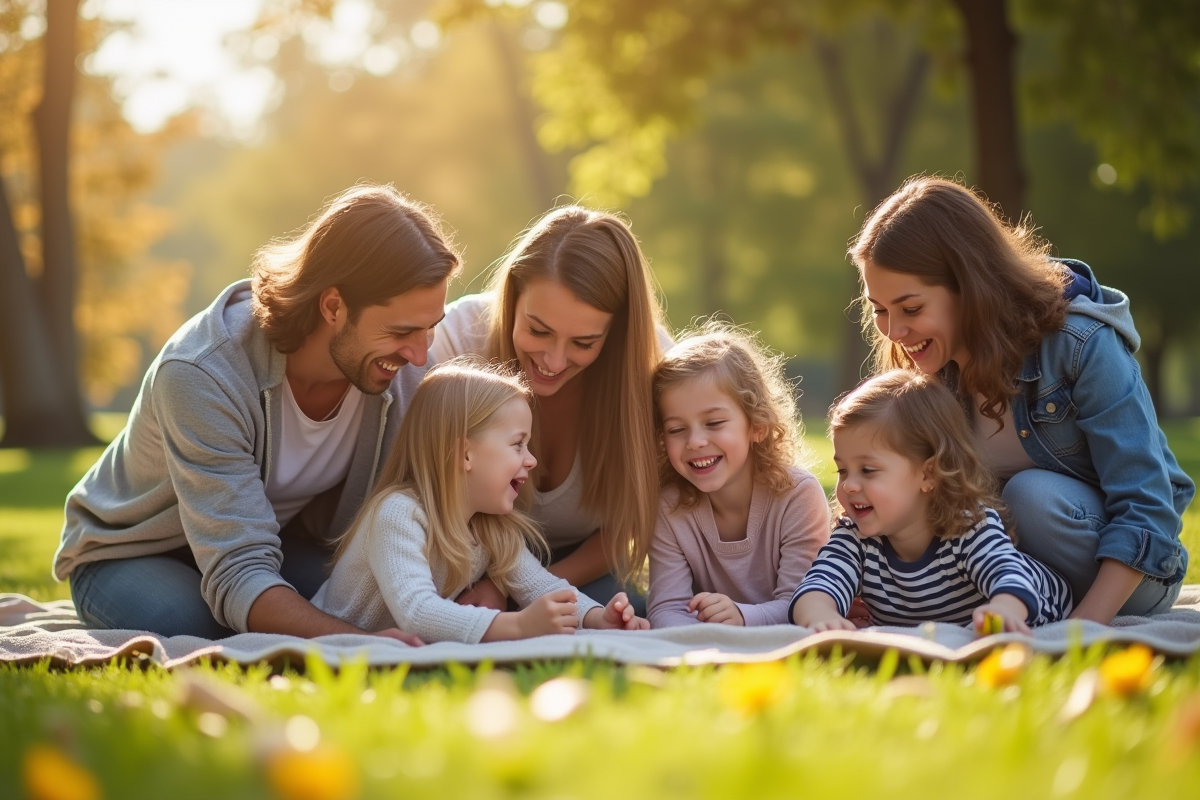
x=876 y=176
x=1153 y=354
x=52 y=122
x=545 y=189
x=990 y=60
x=34 y=403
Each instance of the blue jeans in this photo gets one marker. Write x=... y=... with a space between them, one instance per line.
x=162 y=593
x=1057 y=520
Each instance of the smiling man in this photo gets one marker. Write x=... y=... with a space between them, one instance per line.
x=259 y=430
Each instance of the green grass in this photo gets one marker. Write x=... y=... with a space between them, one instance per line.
x=827 y=727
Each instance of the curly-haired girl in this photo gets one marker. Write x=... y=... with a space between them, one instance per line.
x=919 y=537
x=739 y=523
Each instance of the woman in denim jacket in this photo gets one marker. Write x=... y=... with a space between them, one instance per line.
x=1041 y=356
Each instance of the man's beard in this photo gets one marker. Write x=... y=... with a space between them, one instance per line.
x=350 y=359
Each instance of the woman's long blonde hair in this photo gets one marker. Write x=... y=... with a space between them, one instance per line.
x=743 y=368
x=596 y=257
x=1010 y=293
x=914 y=415
x=456 y=401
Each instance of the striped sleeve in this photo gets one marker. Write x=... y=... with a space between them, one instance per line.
x=995 y=567
x=837 y=571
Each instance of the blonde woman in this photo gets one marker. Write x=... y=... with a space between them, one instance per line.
x=442 y=516
x=573 y=307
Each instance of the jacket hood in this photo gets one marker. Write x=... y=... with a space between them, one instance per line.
x=1101 y=303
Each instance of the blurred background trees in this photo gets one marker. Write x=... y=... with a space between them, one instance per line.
x=745 y=141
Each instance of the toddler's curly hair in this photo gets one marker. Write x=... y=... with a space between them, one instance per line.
x=914 y=415
x=747 y=371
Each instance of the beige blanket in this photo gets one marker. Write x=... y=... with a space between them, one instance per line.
x=31 y=631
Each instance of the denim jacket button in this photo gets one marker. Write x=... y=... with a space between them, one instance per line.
x=1024 y=434
x=1051 y=408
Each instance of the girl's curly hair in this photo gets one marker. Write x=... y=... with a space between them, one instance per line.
x=743 y=368
x=914 y=415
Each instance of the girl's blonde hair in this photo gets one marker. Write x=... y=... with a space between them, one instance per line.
x=596 y=257
x=1010 y=293
x=456 y=401
x=914 y=415
x=750 y=374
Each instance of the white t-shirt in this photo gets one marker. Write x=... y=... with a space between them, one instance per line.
x=313 y=456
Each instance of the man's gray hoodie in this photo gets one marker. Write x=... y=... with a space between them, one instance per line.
x=191 y=465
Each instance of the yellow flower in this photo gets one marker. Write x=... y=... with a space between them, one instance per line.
x=992 y=623
x=50 y=775
x=1128 y=671
x=323 y=773
x=1002 y=666
x=751 y=688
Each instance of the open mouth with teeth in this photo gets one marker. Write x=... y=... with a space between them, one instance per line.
x=543 y=375
x=915 y=350
x=704 y=465
x=859 y=509
x=389 y=367
x=516 y=483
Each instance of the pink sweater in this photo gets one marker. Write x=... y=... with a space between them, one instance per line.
x=759 y=572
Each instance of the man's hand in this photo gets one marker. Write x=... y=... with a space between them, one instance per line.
x=714 y=607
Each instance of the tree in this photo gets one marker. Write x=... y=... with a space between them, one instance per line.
x=81 y=187
x=624 y=78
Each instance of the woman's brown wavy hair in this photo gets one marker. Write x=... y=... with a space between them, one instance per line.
x=596 y=257
x=754 y=378
x=914 y=415
x=371 y=242
x=1010 y=293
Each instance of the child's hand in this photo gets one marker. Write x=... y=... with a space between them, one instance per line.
x=485 y=594
x=817 y=610
x=713 y=607
x=1009 y=608
x=549 y=614
x=617 y=615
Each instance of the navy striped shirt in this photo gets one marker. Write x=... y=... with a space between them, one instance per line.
x=946 y=584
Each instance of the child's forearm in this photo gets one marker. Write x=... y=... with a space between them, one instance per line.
x=813 y=606
x=505 y=626
x=594 y=618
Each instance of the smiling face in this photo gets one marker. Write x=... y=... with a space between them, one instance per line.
x=497 y=461
x=920 y=317
x=708 y=439
x=384 y=338
x=556 y=335
x=883 y=492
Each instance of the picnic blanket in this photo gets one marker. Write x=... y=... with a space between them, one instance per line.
x=31 y=631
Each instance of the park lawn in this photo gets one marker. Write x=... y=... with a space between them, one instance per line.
x=809 y=727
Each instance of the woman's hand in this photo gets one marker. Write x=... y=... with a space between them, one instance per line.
x=485 y=594
x=714 y=607
x=1009 y=608
x=617 y=615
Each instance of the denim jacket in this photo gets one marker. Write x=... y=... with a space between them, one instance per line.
x=1083 y=410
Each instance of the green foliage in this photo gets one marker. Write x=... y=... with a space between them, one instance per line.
x=1126 y=73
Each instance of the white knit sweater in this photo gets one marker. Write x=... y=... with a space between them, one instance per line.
x=383 y=580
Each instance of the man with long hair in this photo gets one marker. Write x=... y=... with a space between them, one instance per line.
x=259 y=430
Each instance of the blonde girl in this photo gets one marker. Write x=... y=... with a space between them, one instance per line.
x=572 y=306
x=919 y=536
x=740 y=522
x=443 y=516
